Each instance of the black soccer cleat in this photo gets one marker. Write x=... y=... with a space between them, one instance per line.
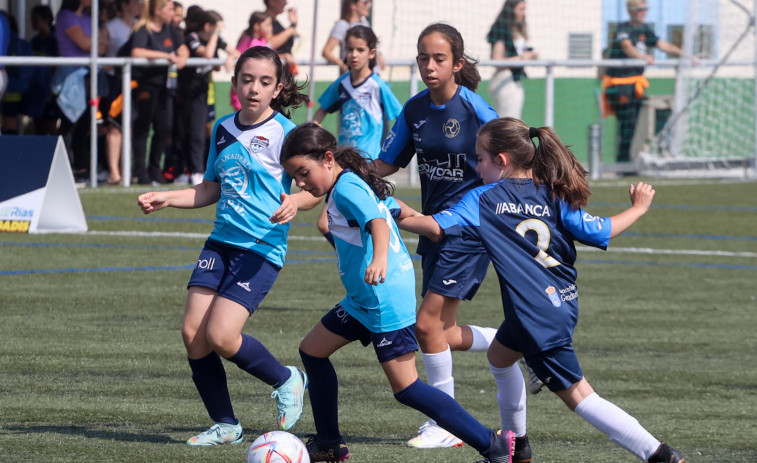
x=324 y=451
x=501 y=445
x=522 y=452
x=666 y=454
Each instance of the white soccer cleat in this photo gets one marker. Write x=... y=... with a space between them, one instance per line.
x=432 y=436
x=535 y=385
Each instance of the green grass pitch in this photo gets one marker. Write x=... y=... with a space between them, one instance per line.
x=92 y=367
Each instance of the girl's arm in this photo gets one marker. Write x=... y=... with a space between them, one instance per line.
x=77 y=35
x=406 y=211
x=290 y=204
x=641 y=199
x=197 y=196
x=328 y=54
x=422 y=225
x=319 y=116
x=383 y=168
x=375 y=273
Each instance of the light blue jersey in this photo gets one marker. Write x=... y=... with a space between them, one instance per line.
x=363 y=107
x=389 y=306
x=244 y=159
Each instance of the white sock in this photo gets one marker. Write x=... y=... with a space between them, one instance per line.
x=511 y=397
x=622 y=428
x=482 y=337
x=439 y=371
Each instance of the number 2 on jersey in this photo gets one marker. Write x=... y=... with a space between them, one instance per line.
x=543 y=236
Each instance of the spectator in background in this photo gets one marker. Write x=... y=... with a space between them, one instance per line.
x=74 y=31
x=39 y=103
x=155 y=37
x=354 y=13
x=178 y=16
x=282 y=39
x=508 y=37
x=119 y=30
x=18 y=81
x=5 y=37
x=624 y=88
x=203 y=41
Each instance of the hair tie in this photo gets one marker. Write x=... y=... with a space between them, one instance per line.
x=533 y=132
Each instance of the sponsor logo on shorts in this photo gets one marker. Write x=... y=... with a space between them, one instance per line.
x=342 y=314
x=547 y=380
x=206 y=264
x=384 y=342
x=245 y=285
x=449 y=282
x=552 y=293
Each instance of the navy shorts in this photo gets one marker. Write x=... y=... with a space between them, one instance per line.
x=388 y=346
x=454 y=273
x=557 y=368
x=239 y=275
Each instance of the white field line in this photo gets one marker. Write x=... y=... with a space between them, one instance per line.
x=630 y=250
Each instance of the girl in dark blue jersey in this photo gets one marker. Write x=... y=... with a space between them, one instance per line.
x=439 y=125
x=528 y=215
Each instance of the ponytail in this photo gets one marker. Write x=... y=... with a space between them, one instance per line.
x=551 y=162
x=314 y=141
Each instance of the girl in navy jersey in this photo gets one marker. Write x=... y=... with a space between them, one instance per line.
x=379 y=308
x=246 y=250
x=528 y=216
x=439 y=125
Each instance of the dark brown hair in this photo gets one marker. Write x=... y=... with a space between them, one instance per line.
x=551 y=162
x=313 y=141
x=290 y=95
x=468 y=76
x=367 y=34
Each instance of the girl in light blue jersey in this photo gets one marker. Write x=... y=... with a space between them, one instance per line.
x=246 y=249
x=363 y=100
x=379 y=307
x=528 y=215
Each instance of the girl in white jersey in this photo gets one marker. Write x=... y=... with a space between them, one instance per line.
x=379 y=307
x=246 y=250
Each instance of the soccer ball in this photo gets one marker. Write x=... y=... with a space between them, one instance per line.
x=277 y=447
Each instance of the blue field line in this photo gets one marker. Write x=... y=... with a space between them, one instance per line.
x=682 y=207
x=322 y=260
x=129 y=246
x=690 y=236
x=114 y=218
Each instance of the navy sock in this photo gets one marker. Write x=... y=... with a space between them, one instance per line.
x=209 y=377
x=255 y=359
x=330 y=238
x=446 y=412
x=323 y=388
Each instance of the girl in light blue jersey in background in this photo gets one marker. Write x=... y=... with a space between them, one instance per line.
x=528 y=215
x=244 y=253
x=379 y=307
x=363 y=100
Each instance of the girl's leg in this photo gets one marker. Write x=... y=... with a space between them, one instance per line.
x=443 y=409
x=436 y=319
x=622 y=428
x=315 y=351
x=208 y=373
x=511 y=387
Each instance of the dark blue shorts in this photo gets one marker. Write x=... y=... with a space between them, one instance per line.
x=453 y=273
x=557 y=368
x=242 y=276
x=388 y=346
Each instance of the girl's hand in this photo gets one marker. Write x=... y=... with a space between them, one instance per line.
x=641 y=195
x=152 y=201
x=376 y=272
x=292 y=15
x=286 y=211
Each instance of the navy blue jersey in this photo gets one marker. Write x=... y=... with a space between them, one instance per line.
x=529 y=236
x=444 y=137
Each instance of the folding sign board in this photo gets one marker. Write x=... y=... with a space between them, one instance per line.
x=37 y=190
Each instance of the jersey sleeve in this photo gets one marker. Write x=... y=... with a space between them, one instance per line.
x=329 y=99
x=398 y=147
x=356 y=202
x=389 y=102
x=484 y=112
x=140 y=38
x=465 y=214
x=586 y=228
x=394 y=207
x=339 y=31
x=210 y=169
